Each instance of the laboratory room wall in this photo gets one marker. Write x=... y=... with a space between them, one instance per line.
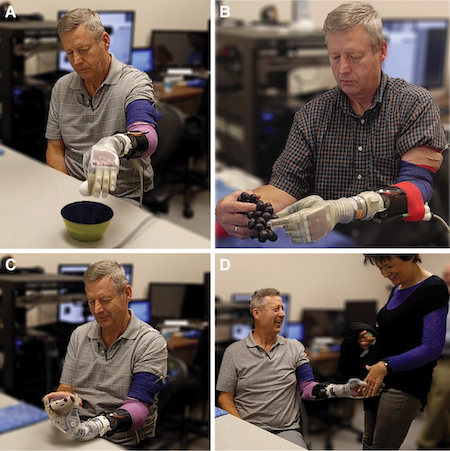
x=319 y=281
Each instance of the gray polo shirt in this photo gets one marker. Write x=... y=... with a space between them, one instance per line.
x=102 y=377
x=81 y=121
x=265 y=384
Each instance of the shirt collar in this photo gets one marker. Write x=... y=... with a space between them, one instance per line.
x=251 y=343
x=130 y=333
x=344 y=102
x=115 y=70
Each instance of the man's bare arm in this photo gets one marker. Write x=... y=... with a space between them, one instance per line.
x=226 y=402
x=54 y=155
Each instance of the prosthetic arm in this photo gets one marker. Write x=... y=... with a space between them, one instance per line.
x=348 y=390
x=311 y=218
x=101 y=162
x=64 y=414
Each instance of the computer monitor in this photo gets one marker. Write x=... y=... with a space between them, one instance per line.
x=120 y=27
x=142 y=59
x=177 y=301
x=246 y=298
x=239 y=331
x=295 y=330
x=416 y=50
x=142 y=309
x=180 y=49
x=323 y=323
x=364 y=311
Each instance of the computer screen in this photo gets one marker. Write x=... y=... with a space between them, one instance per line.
x=295 y=330
x=246 y=298
x=120 y=27
x=416 y=50
x=364 y=311
x=323 y=323
x=78 y=269
x=142 y=309
x=180 y=48
x=142 y=59
x=239 y=331
x=177 y=301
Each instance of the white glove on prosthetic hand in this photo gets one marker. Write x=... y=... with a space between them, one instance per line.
x=101 y=166
x=312 y=218
x=64 y=414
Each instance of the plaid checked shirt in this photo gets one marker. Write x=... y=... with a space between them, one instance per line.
x=335 y=153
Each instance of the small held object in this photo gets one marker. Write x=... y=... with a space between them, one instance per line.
x=258 y=219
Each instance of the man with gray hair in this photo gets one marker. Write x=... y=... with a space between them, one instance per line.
x=366 y=149
x=261 y=376
x=114 y=365
x=102 y=118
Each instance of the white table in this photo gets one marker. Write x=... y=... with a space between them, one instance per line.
x=232 y=433
x=45 y=435
x=31 y=198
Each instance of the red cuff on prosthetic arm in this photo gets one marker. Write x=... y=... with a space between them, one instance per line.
x=416 y=207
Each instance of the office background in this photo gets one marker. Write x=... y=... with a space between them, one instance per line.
x=312 y=280
x=170 y=14
x=177 y=268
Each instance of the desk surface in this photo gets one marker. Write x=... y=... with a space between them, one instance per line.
x=45 y=435
x=33 y=195
x=179 y=92
x=232 y=433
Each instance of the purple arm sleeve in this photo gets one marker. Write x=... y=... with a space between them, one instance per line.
x=431 y=347
x=138 y=412
x=140 y=111
x=305 y=378
x=419 y=176
x=142 y=393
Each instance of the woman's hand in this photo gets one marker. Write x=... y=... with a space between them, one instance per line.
x=374 y=379
x=365 y=340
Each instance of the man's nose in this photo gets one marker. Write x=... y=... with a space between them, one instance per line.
x=344 y=65
x=77 y=58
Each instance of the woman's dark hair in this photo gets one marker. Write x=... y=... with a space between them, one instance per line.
x=382 y=258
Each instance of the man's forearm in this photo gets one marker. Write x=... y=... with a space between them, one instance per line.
x=55 y=159
x=277 y=197
x=228 y=404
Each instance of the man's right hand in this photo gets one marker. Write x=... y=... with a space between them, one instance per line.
x=228 y=214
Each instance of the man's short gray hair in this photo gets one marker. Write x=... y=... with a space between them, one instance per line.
x=107 y=268
x=259 y=298
x=353 y=14
x=73 y=19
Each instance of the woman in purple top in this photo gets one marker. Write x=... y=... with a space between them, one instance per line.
x=412 y=330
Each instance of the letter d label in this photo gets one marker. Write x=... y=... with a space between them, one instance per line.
x=224 y=264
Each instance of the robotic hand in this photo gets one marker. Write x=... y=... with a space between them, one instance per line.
x=64 y=414
x=310 y=219
x=349 y=390
x=101 y=161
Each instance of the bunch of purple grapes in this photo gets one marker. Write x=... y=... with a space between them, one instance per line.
x=257 y=220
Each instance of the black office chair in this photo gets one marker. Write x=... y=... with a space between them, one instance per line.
x=178 y=173
x=168 y=402
x=171 y=127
